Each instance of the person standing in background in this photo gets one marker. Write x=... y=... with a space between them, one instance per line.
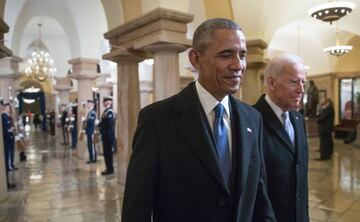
x=64 y=122
x=9 y=141
x=284 y=138
x=90 y=129
x=73 y=128
x=325 y=121
x=107 y=130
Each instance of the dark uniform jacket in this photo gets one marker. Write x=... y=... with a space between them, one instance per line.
x=286 y=165
x=90 y=122
x=107 y=125
x=325 y=119
x=8 y=133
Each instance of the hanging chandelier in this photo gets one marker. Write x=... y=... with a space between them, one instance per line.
x=338 y=50
x=40 y=65
x=331 y=11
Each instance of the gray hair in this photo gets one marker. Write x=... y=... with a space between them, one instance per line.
x=204 y=33
x=276 y=64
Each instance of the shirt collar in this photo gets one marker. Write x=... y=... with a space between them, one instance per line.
x=209 y=102
x=278 y=111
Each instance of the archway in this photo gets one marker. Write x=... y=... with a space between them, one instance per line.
x=32 y=99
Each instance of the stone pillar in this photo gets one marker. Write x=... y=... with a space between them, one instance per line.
x=84 y=71
x=4 y=51
x=252 y=86
x=128 y=106
x=9 y=67
x=166 y=69
x=146 y=93
x=104 y=87
x=160 y=33
x=63 y=86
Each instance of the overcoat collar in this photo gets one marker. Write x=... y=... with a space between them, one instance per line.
x=195 y=129
x=273 y=122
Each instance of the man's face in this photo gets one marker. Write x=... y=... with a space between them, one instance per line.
x=287 y=88
x=90 y=105
x=222 y=64
x=107 y=103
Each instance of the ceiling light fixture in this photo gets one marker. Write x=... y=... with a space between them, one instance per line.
x=331 y=11
x=338 y=50
x=40 y=65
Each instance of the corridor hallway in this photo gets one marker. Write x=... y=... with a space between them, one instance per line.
x=53 y=186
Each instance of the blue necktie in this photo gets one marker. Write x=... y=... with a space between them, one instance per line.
x=288 y=126
x=222 y=143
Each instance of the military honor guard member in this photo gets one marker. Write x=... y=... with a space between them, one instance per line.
x=89 y=130
x=107 y=130
x=9 y=141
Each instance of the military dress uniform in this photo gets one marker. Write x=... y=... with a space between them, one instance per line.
x=89 y=131
x=107 y=130
x=9 y=144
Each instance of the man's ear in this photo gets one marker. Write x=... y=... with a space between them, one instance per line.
x=271 y=83
x=194 y=58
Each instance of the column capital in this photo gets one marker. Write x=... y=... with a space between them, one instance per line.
x=123 y=56
x=9 y=65
x=84 y=65
x=157 y=26
x=63 y=84
x=101 y=81
x=84 y=68
x=255 y=55
x=168 y=47
x=4 y=28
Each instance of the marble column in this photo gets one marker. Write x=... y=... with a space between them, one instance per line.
x=104 y=87
x=4 y=52
x=146 y=93
x=128 y=106
x=9 y=67
x=160 y=33
x=252 y=86
x=84 y=71
x=166 y=68
x=63 y=86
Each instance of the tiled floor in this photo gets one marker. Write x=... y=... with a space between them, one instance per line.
x=58 y=187
x=53 y=186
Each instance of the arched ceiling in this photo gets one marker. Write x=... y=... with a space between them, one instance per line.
x=283 y=24
x=68 y=30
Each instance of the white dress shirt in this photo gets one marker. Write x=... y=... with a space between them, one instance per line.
x=277 y=110
x=208 y=103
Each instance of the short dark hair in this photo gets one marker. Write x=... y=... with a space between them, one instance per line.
x=205 y=31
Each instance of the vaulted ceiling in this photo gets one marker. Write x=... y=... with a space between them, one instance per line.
x=74 y=28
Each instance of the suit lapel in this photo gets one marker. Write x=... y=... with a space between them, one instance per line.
x=193 y=126
x=273 y=121
x=242 y=135
x=298 y=125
